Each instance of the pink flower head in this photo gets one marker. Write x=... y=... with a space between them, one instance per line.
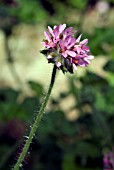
x=108 y=160
x=65 y=51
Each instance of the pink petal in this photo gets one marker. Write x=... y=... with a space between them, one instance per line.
x=81 y=63
x=68 y=30
x=67 y=40
x=64 y=54
x=82 y=52
x=86 y=60
x=84 y=42
x=62 y=27
x=51 y=31
x=78 y=50
x=61 y=44
x=86 y=48
x=43 y=43
x=56 y=31
x=72 y=43
x=79 y=56
x=78 y=39
x=71 y=53
x=47 y=36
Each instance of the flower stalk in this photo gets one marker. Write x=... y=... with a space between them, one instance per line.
x=66 y=53
x=36 y=123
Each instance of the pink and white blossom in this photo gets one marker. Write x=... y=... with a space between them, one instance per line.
x=65 y=51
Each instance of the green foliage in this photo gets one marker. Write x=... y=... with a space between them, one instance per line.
x=109 y=66
x=99 y=40
x=29 y=11
x=80 y=4
x=36 y=87
x=87 y=149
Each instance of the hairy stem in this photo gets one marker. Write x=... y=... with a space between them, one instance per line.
x=36 y=123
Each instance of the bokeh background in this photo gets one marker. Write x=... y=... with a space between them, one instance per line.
x=77 y=128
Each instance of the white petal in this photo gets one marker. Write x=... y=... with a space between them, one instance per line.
x=78 y=39
x=49 y=57
x=90 y=57
x=58 y=64
x=75 y=67
x=54 y=26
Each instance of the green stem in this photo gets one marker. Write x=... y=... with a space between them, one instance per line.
x=35 y=125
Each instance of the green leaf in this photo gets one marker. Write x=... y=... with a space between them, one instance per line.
x=109 y=66
x=87 y=149
x=37 y=87
x=80 y=4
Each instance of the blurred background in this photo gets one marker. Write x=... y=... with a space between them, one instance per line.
x=77 y=127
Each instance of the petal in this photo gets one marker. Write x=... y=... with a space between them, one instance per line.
x=58 y=64
x=79 y=56
x=56 y=31
x=64 y=54
x=72 y=43
x=81 y=63
x=86 y=48
x=67 y=40
x=55 y=26
x=71 y=53
x=82 y=52
x=74 y=66
x=86 y=60
x=68 y=30
x=84 y=42
x=78 y=50
x=71 y=60
x=51 y=31
x=62 y=27
x=43 y=43
x=49 y=57
x=61 y=44
x=47 y=36
x=90 y=57
x=78 y=39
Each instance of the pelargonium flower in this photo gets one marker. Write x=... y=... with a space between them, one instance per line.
x=65 y=51
x=108 y=160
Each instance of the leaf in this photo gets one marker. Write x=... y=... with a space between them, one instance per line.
x=92 y=79
x=87 y=149
x=109 y=66
x=45 y=52
x=37 y=87
x=80 y=4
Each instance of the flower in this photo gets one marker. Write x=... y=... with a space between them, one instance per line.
x=65 y=51
x=108 y=160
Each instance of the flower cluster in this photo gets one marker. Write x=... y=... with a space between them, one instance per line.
x=108 y=160
x=65 y=51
